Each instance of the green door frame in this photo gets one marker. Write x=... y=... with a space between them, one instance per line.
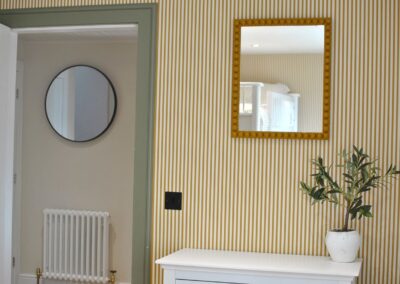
x=145 y=15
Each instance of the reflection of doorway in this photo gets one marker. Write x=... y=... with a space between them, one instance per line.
x=62 y=117
x=144 y=16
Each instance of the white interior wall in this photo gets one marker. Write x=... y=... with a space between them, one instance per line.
x=56 y=173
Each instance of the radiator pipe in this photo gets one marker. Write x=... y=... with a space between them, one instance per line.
x=112 y=277
x=38 y=275
x=111 y=281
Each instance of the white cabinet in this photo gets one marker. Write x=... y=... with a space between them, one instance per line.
x=198 y=282
x=189 y=266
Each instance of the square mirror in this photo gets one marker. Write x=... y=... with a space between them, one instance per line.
x=281 y=78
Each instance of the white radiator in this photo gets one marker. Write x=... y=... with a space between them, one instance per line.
x=75 y=245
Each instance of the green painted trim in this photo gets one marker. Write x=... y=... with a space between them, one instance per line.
x=87 y=15
x=145 y=15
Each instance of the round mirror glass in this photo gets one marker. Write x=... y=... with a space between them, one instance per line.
x=80 y=103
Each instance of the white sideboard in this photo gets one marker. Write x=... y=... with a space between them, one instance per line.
x=191 y=266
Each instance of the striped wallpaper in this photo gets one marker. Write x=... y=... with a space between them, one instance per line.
x=242 y=194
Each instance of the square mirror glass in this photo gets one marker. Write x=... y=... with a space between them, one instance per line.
x=281 y=78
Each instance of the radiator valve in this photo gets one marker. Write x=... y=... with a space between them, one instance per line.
x=38 y=275
x=112 y=277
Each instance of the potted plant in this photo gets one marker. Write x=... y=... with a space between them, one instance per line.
x=360 y=174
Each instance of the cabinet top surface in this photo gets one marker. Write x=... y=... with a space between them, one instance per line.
x=258 y=262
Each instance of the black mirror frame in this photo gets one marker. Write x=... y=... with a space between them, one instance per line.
x=114 y=111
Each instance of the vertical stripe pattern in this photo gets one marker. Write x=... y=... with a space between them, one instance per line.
x=242 y=194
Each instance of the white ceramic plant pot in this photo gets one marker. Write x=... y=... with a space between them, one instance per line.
x=343 y=246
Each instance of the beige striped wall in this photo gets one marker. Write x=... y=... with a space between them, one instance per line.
x=302 y=73
x=241 y=194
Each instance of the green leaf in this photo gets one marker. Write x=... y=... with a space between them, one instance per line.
x=362 y=166
x=320 y=180
x=363 y=159
x=357 y=150
x=389 y=170
x=367 y=214
x=363 y=189
x=365 y=211
x=319 y=194
x=364 y=174
x=348 y=176
x=306 y=188
x=354 y=159
x=357 y=202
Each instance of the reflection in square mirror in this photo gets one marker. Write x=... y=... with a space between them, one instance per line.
x=283 y=80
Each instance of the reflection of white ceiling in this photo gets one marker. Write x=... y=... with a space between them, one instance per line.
x=95 y=33
x=282 y=39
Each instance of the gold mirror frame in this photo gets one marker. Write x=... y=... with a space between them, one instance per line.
x=238 y=24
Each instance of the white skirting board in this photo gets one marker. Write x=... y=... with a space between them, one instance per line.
x=31 y=279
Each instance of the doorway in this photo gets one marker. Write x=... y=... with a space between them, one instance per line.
x=144 y=16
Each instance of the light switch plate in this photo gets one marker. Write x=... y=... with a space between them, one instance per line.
x=173 y=200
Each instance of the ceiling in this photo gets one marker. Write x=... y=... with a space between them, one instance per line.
x=86 y=33
x=282 y=39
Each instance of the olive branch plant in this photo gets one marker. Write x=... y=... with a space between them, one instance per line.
x=360 y=175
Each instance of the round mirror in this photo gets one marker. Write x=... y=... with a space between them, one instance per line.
x=80 y=103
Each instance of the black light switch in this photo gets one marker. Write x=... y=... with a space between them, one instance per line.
x=173 y=200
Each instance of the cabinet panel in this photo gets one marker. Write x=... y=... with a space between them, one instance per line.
x=261 y=280
x=189 y=266
x=200 y=282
